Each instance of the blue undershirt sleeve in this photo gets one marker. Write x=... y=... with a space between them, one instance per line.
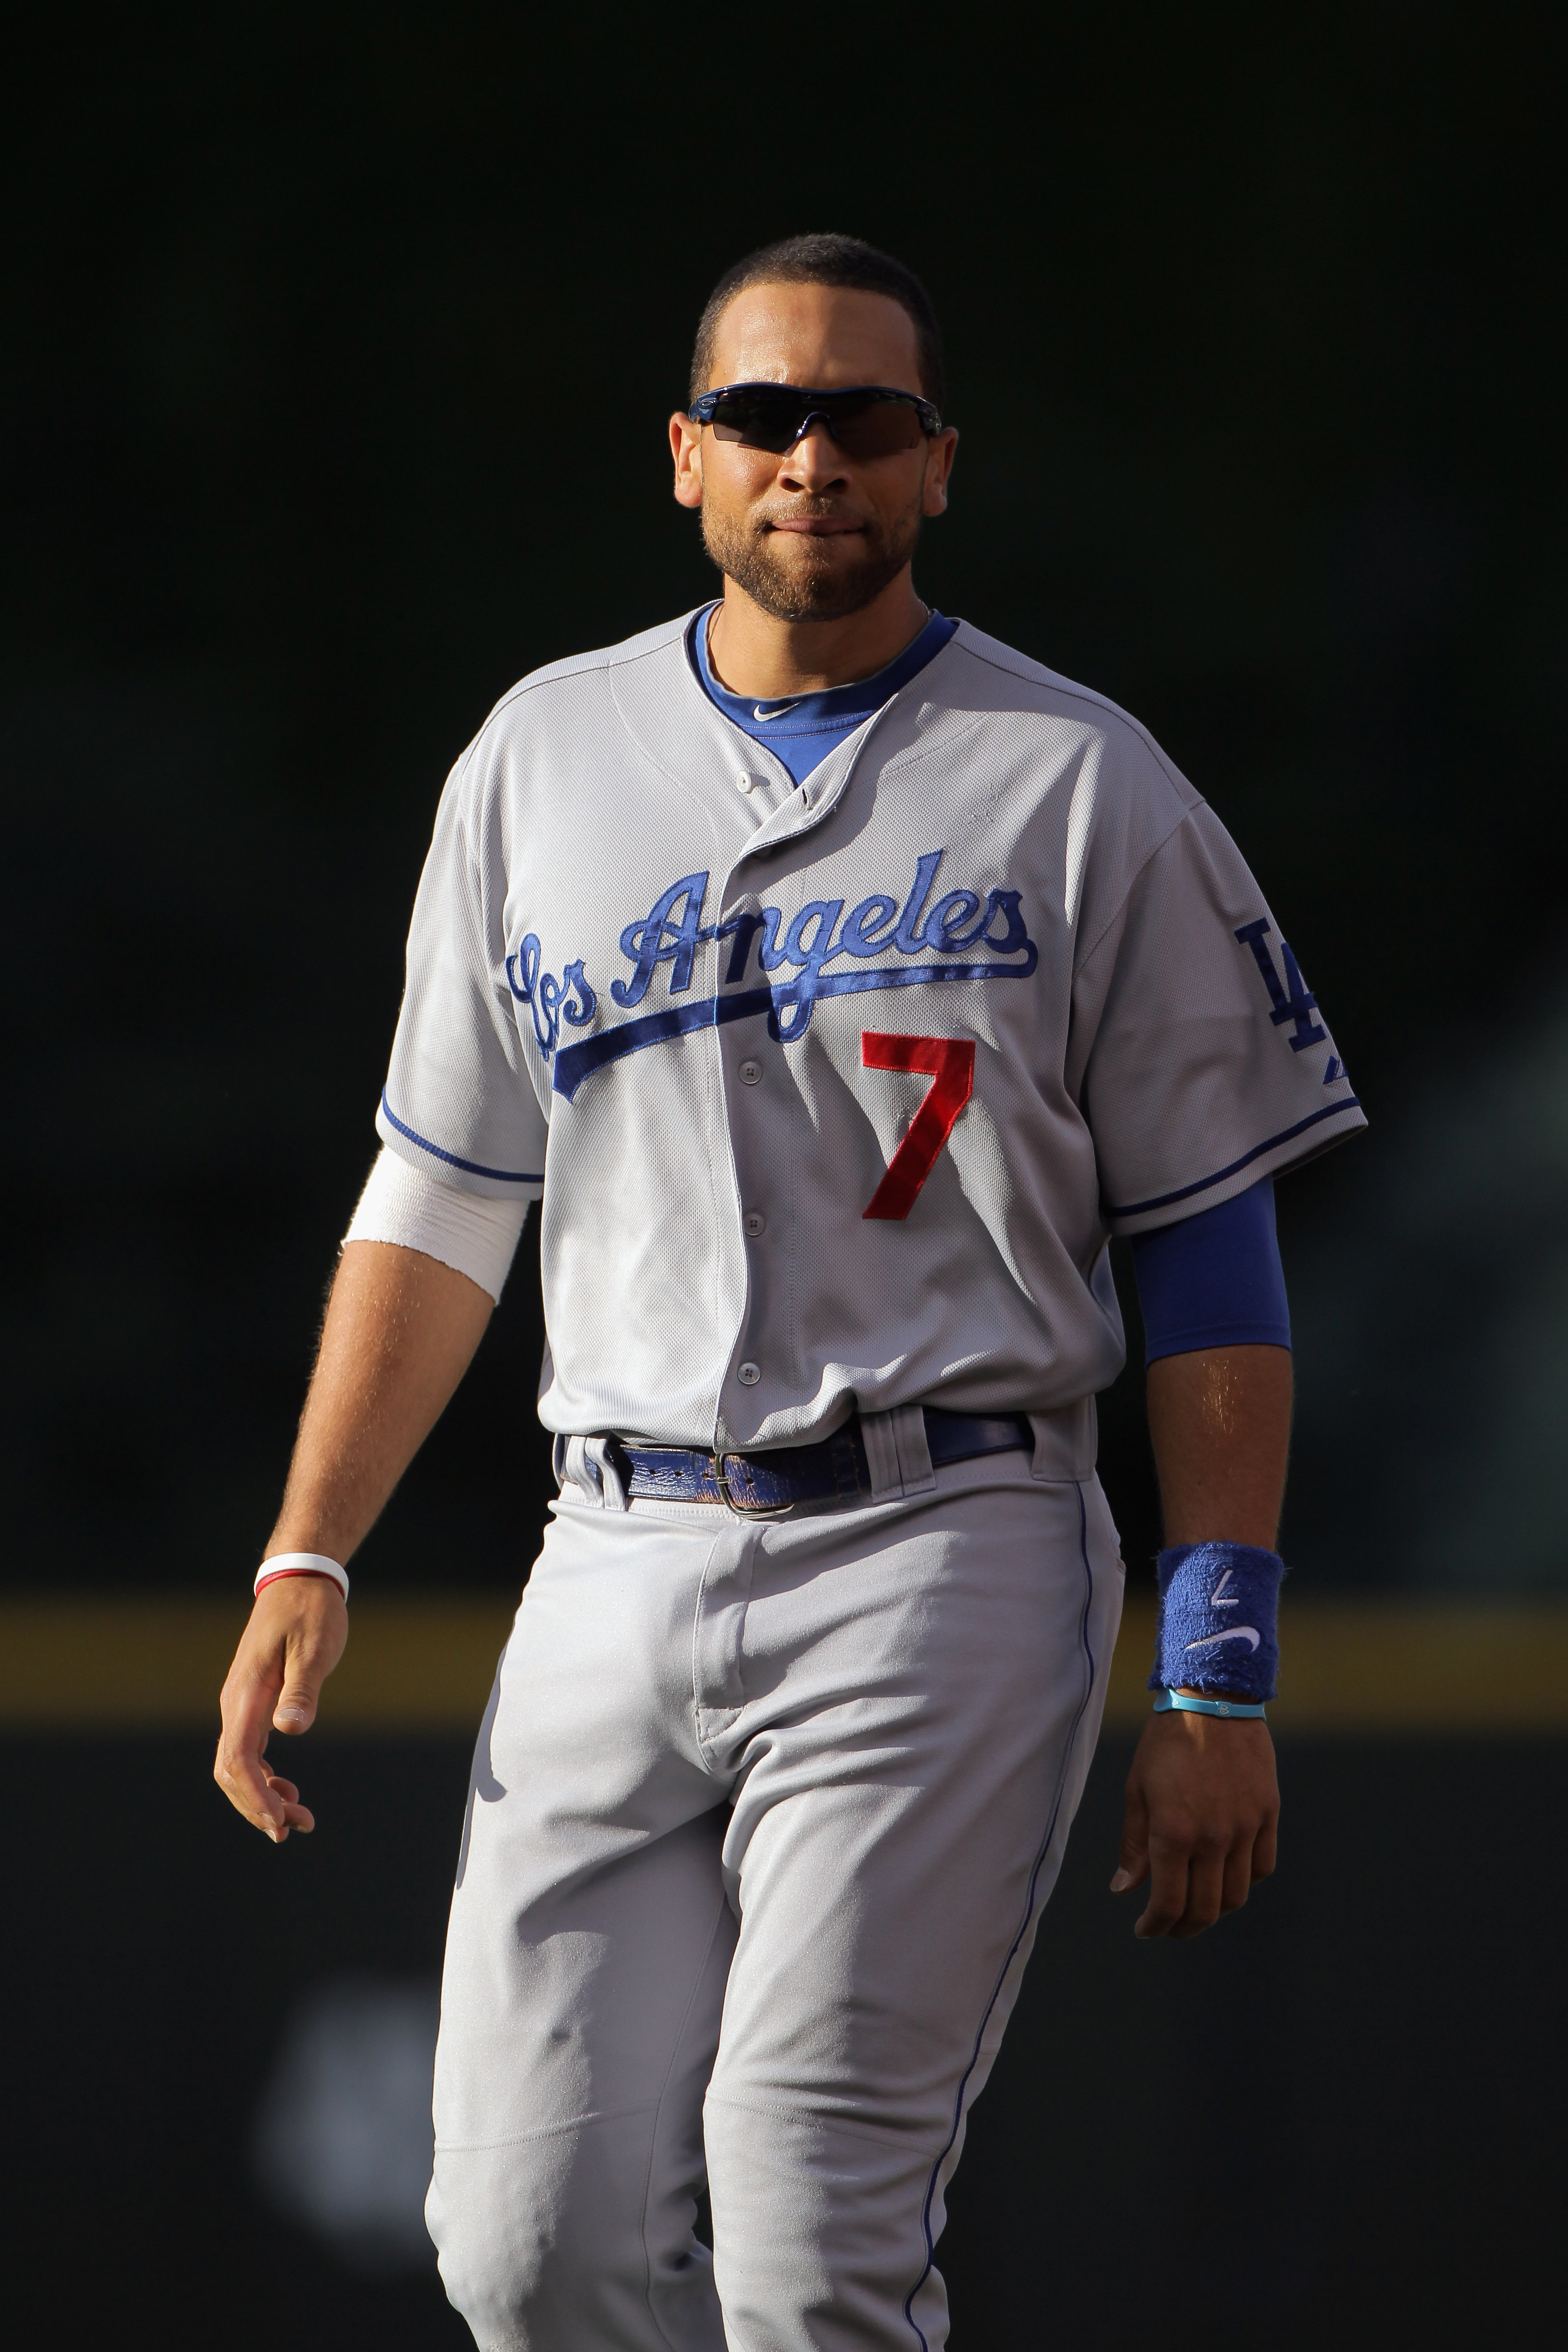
x=1214 y=1280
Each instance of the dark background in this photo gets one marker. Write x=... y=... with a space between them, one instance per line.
x=1335 y=2121
x=337 y=350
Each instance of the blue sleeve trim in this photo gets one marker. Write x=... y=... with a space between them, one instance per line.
x=469 y=1167
x=1214 y=1280
x=1164 y=1200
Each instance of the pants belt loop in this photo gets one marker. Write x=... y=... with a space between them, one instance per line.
x=881 y=1455
x=590 y=1468
x=606 y=1461
x=1066 y=1442
x=573 y=1469
x=914 y=1452
x=897 y=1453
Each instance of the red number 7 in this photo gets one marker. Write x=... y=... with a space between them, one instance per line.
x=951 y=1062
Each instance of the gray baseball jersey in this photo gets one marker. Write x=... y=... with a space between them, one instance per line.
x=835 y=1093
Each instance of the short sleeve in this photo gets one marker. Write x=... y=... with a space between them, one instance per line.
x=459 y=1101
x=1208 y=1062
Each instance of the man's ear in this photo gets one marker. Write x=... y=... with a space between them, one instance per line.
x=685 y=448
x=938 y=465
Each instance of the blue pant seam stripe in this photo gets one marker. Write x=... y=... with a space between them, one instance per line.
x=1023 y=1929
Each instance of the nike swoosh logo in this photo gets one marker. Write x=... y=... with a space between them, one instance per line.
x=779 y=711
x=1235 y=1633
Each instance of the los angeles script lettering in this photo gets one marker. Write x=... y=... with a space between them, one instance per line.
x=821 y=934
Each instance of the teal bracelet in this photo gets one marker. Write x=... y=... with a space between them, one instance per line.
x=1178 y=1701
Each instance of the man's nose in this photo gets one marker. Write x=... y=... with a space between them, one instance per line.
x=817 y=462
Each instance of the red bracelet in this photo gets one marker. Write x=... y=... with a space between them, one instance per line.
x=300 y=1563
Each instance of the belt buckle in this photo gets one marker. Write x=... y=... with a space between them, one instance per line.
x=747 y=1510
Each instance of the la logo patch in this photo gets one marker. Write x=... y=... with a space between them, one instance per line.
x=1291 y=998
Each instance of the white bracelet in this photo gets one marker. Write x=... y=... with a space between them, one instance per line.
x=301 y=1563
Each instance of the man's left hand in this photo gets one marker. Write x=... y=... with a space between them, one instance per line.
x=1203 y=1818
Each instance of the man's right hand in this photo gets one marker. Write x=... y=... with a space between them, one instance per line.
x=293 y=1641
x=400 y=1330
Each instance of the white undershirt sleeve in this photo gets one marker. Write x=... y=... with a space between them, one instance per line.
x=402 y=1204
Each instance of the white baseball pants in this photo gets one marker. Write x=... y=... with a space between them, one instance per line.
x=763 y=1817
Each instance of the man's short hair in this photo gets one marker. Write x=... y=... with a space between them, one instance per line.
x=825 y=261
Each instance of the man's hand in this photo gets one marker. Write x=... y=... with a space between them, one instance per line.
x=1203 y=1802
x=400 y=1330
x=293 y=1641
x=1202 y=1813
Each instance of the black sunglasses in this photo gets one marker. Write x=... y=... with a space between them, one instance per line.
x=866 y=420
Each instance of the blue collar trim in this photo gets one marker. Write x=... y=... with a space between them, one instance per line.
x=836 y=711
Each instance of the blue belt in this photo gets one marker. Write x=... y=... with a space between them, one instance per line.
x=836 y=1471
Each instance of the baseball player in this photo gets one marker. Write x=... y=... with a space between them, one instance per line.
x=839 y=980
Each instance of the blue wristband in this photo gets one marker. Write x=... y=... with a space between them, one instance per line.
x=1218 y=1603
x=1177 y=1702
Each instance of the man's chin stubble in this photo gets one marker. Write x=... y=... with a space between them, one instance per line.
x=809 y=588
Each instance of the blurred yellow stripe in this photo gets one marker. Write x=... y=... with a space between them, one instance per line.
x=1391 y=1665
x=424 y=1664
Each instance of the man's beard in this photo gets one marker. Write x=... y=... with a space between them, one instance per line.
x=820 y=588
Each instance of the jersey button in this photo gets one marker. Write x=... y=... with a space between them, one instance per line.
x=749 y=1375
x=755 y=1223
x=743 y=782
x=751 y=1072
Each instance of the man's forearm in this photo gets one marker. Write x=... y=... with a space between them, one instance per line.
x=1219 y=1420
x=400 y=1332
x=401 y=1329
x=1203 y=1802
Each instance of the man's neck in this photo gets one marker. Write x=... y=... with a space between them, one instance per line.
x=753 y=653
